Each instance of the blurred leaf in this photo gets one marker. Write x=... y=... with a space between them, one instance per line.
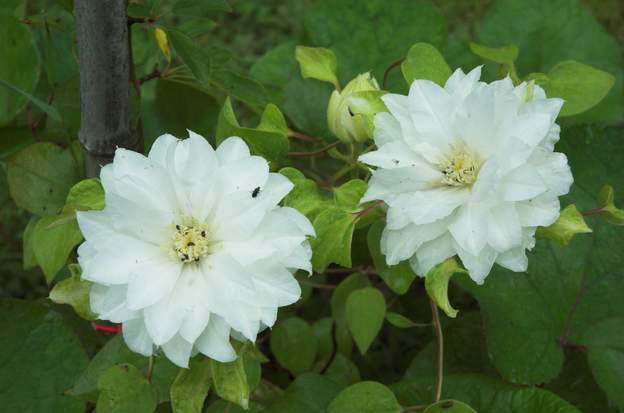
x=317 y=63
x=40 y=355
x=123 y=389
x=484 y=394
x=400 y=321
x=240 y=87
x=605 y=200
x=13 y=140
x=339 y=297
x=268 y=140
x=75 y=292
x=398 y=277
x=28 y=255
x=51 y=111
x=194 y=8
x=437 y=281
x=191 y=386
x=554 y=31
x=579 y=85
x=305 y=104
x=294 y=345
x=424 y=61
x=569 y=223
x=274 y=68
x=332 y=244
x=19 y=66
x=449 y=406
x=163 y=42
x=366 y=310
x=503 y=55
x=194 y=56
x=323 y=331
x=230 y=381
x=343 y=371
x=53 y=239
x=308 y=393
x=365 y=397
x=40 y=177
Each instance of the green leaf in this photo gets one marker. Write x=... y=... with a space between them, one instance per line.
x=365 y=397
x=579 y=85
x=317 y=63
x=50 y=110
x=398 y=277
x=324 y=330
x=28 y=255
x=40 y=177
x=569 y=223
x=613 y=214
x=86 y=195
x=114 y=352
x=193 y=8
x=308 y=393
x=343 y=371
x=40 y=355
x=305 y=196
x=53 y=239
x=19 y=66
x=348 y=195
x=567 y=292
x=503 y=55
x=123 y=389
x=268 y=140
x=75 y=292
x=366 y=310
x=424 y=61
x=400 y=321
x=555 y=31
x=294 y=345
x=240 y=87
x=230 y=381
x=449 y=406
x=194 y=56
x=191 y=386
x=483 y=394
x=436 y=283
x=342 y=292
x=334 y=233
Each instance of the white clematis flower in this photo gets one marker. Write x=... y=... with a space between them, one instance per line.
x=467 y=170
x=192 y=247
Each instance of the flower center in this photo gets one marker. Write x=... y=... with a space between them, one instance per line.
x=190 y=242
x=461 y=168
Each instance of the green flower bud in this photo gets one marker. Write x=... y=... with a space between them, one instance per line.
x=350 y=112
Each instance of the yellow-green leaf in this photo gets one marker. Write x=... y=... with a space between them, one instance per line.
x=436 y=284
x=569 y=223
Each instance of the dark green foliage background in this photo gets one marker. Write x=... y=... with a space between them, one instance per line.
x=547 y=341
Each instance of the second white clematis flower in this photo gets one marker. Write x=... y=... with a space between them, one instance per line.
x=192 y=247
x=467 y=169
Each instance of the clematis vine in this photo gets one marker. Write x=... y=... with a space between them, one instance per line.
x=192 y=247
x=467 y=169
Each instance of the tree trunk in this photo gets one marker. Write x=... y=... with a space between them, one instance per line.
x=105 y=61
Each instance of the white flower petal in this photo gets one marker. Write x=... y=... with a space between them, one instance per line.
x=469 y=227
x=540 y=211
x=522 y=183
x=504 y=228
x=387 y=129
x=459 y=85
x=152 y=280
x=424 y=207
x=399 y=180
x=478 y=266
x=178 y=350
x=137 y=338
x=554 y=170
x=109 y=303
x=232 y=149
x=399 y=245
x=160 y=148
x=215 y=341
x=515 y=260
x=431 y=254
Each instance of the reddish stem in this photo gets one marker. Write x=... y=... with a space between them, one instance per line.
x=108 y=329
x=368 y=209
x=593 y=211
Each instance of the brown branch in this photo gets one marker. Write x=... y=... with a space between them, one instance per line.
x=593 y=211
x=317 y=152
x=132 y=20
x=368 y=209
x=388 y=70
x=302 y=136
x=440 y=341
x=155 y=74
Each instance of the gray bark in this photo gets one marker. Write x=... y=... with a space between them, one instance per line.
x=105 y=61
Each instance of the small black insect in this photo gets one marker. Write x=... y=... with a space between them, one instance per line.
x=203 y=234
x=255 y=192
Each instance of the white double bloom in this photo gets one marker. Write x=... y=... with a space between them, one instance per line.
x=467 y=170
x=192 y=247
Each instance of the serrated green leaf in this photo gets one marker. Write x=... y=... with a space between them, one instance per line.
x=19 y=66
x=613 y=214
x=398 y=277
x=317 y=63
x=294 y=345
x=53 y=239
x=449 y=406
x=87 y=194
x=365 y=397
x=569 y=223
x=40 y=177
x=75 y=292
x=424 y=61
x=334 y=233
x=123 y=389
x=503 y=55
x=269 y=139
x=41 y=354
x=436 y=284
x=581 y=86
x=230 y=381
x=191 y=386
x=365 y=310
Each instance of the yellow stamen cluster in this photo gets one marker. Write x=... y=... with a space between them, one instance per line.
x=461 y=168
x=190 y=242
